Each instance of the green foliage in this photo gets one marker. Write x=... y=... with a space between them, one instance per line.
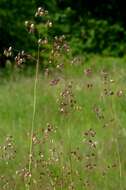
x=99 y=36
x=12 y=17
x=64 y=153
x=89 y=26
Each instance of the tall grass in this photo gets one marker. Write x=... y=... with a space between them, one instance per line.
x=74 y=119
x=82 y=148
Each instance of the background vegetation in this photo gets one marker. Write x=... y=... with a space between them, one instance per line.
x=90 y=26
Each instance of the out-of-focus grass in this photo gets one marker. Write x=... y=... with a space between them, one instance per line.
x=16 y=107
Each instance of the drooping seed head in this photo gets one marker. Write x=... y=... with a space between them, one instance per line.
x=26 y=23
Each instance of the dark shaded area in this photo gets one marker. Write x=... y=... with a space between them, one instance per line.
x=90 y=25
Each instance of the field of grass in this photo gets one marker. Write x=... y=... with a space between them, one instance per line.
x=79 y=139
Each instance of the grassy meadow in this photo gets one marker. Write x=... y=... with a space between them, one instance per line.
x=79 y=138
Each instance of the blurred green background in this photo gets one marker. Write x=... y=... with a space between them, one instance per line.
x=91 y=26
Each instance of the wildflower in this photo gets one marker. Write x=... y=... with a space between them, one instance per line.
x=88 y=72
x=54 y=82
x=119 y=93
x=8 y=52
x=26 y=23
x=41 y=12
x=32 y=28
x=43 y=42
x=49 y=24
x=112 y=81
x=39 y=41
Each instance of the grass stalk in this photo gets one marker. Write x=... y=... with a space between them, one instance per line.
x=33 y=115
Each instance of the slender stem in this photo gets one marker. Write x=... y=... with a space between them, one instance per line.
x=70 y=158
x=33 y=115
x=120 y=165
x=117 y=144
